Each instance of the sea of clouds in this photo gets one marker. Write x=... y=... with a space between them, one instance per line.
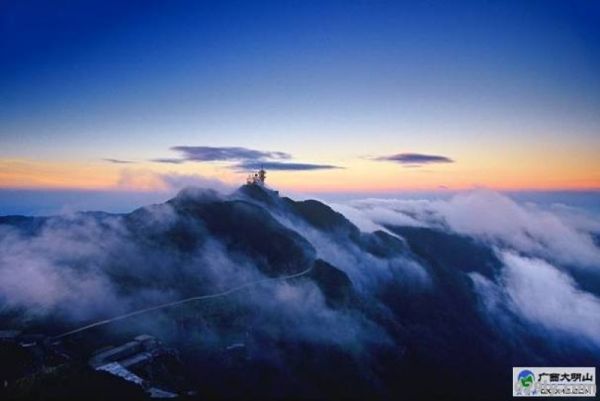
x=550 y=276
x=550 y=254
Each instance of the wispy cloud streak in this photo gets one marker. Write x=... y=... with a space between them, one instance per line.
x=284 y=166
x=415 y=159
x=118 y=161
x=211 y=153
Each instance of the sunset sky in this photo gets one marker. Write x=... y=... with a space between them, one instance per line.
x=347 y=96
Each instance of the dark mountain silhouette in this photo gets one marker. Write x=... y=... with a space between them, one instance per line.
x=334 y=312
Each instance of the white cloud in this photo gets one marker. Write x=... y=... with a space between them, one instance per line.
x=148 y=180
x=543 y=294
x=563 y=238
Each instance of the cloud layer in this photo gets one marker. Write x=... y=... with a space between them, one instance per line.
x=220 y=154
x=494 y=218
x=283 y=166
x=242 y=158
x=412 y=299
x=118 y=161
x=415 y=159
x=544 y=294
x=548 y=256
x=210 y=153
x=79 y=267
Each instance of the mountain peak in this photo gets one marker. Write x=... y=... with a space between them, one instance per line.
x=258 y=193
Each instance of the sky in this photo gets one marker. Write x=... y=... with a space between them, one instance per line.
x=330 y=97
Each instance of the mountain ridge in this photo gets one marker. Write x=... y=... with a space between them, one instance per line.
x=375 y=311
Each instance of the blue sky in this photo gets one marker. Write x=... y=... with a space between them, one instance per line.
x=88 y=72
x=488 y=84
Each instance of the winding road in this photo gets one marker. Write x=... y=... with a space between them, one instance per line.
x=181 y=301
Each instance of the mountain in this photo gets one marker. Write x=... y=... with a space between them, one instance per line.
x=290 y=299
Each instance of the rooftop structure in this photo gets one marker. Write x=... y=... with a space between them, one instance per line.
x=125 y=360
x=257 y=178
x=138 y=350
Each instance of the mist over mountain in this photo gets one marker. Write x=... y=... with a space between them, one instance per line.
x=363 y=299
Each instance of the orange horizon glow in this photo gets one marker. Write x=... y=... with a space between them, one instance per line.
x=359 y=177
